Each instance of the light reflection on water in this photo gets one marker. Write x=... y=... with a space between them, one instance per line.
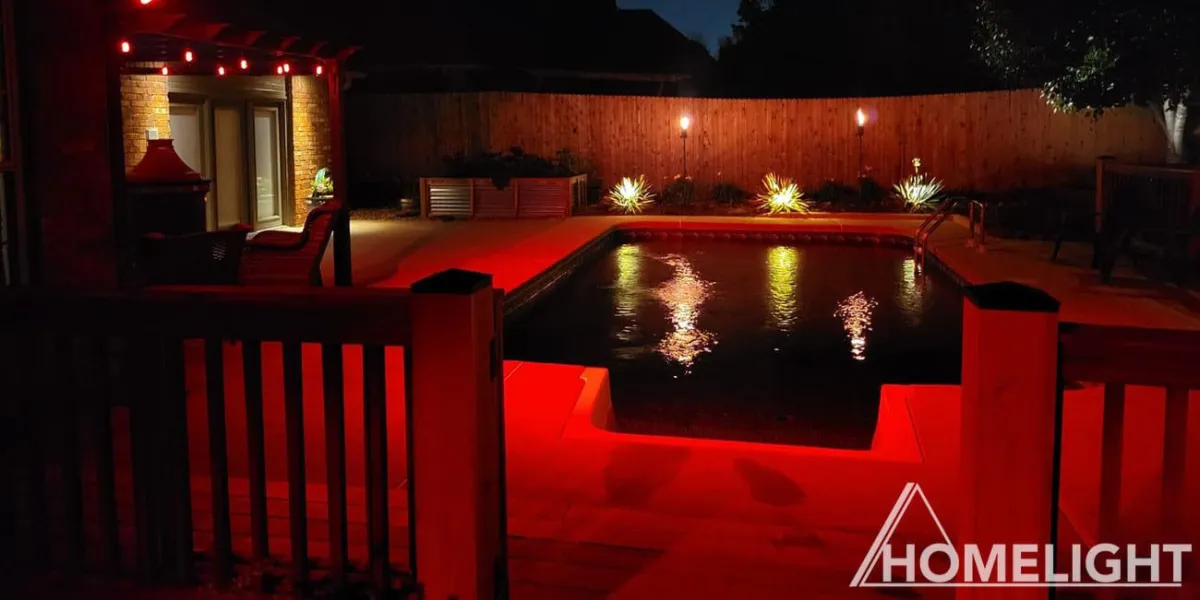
x=910 y=294
x=783 y=278
x=855 y=313
x=683 y=295
x=627 y=290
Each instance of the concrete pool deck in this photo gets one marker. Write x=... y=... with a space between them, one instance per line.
x=397 y=253
x=615 y=516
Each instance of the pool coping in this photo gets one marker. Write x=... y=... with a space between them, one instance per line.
x=591 y=414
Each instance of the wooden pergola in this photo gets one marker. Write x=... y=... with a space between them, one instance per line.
x=227 y=38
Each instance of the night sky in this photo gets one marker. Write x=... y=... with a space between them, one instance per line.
x=710 y=18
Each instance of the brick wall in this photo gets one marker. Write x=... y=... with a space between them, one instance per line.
x=144 y=105
x=311 y=143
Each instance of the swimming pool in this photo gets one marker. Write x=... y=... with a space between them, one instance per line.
x=742 y=340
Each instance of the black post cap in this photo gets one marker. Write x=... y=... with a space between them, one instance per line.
x=1010 y=295
x=453 y=281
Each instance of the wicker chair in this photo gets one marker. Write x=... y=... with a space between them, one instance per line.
x=291 y=258
x=211 y=258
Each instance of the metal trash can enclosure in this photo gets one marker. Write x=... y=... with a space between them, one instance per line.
x=521 y=198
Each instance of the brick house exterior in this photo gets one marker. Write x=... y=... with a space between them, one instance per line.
x=312 y=142
x=144 y=105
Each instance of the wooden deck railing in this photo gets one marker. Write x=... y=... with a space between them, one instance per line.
x=71 y=364
x=1017 y=361
x=1166 y=199
x=1119 y=357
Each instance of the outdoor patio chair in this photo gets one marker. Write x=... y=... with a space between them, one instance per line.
x=291 y=258
x=210 y=258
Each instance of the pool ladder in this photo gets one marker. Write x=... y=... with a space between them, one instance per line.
x=975 y=212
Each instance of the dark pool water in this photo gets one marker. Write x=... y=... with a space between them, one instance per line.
x=784 y=344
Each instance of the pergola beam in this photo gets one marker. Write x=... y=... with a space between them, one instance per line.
x=197 y=30
x=240 y=37
x=135 y=23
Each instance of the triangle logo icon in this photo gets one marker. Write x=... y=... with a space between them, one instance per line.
x=911 y=493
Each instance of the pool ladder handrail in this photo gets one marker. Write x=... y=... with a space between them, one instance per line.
x=925 y=231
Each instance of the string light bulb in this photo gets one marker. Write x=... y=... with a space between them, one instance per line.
x=287 y=68
x=145 y=2
x=188 y=56
x=279 y=70
x=166 y=71
x=320 y=69
x=220 y=70
x=126 y=48
x=245 y=64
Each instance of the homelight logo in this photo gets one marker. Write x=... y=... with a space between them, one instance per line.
x=1012 y=565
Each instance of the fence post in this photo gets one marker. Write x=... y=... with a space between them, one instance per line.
x=1008 y=487
x=457 y=446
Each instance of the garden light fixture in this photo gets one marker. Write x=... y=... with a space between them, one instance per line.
x=684 y=123
x=861 y=118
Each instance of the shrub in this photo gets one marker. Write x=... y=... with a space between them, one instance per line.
x=869 y=190
x=680 y=192
x=501 y=167
x=782 y=196
x=631 y=196
x=729 y=193
x=832 y=191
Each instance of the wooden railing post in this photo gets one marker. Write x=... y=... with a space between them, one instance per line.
x=1009 y=422
x=342 y=259
x=457 y=449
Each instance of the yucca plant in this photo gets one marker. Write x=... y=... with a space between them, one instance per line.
x=918 y=192
x=631 y=196
x=782 y=196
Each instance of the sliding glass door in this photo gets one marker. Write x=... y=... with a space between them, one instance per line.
x=239 y=146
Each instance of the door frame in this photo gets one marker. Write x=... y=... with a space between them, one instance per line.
x=213 y=92
x=283 y=183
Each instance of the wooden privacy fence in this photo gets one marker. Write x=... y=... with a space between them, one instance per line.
x=990 y=140
x=110 y=400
